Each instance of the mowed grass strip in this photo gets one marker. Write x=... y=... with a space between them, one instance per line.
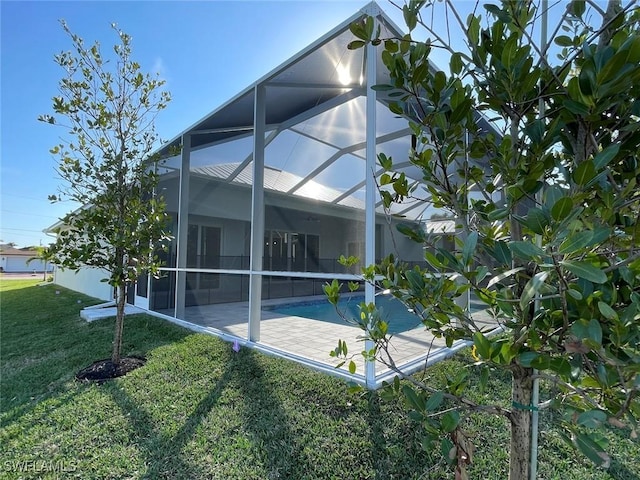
x=199 y=410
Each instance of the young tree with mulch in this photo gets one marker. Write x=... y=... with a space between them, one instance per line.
x=108 y=108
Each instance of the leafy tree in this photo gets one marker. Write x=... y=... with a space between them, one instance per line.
x=108 y=107
x=548 y=213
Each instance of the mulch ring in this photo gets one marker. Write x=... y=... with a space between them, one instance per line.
x=104 y=370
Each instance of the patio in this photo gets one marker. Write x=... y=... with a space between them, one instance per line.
x=310 y=341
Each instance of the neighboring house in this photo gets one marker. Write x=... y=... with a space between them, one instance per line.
x=16 y=260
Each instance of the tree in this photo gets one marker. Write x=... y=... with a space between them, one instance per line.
x=548 y=213
x=41 y=254
x=108 y=107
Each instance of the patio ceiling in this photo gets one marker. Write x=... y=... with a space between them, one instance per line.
x=315 y=117
x=316 y=79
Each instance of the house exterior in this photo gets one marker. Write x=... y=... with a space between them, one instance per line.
x=21 y=260
x=274 y=186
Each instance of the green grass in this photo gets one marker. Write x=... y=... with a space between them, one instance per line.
x=198 y=410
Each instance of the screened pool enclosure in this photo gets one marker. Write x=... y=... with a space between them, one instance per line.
x=271 y=188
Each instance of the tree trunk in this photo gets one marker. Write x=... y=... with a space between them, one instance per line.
x=521 y=393
x=117 y=337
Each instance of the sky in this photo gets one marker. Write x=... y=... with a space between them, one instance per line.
x=207 y=51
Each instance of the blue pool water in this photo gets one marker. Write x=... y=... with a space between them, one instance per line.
x=392 y=311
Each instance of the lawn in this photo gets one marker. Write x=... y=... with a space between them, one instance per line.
x=199 y=410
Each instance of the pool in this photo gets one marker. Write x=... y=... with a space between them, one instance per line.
x=398 y=318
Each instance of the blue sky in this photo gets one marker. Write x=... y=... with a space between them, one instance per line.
x=207 y=51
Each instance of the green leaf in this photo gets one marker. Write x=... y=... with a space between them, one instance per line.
x=607 y=312
x=560 y=365
x=433 y=260
x=416 y=281
x=469 y=247
x=562 y=208
x=502 y=253
x=592 y=450
x=447 y=449
x=586 y=79
x=563 y=41
x=584 y=173
x=536 y=130
x=526 y=250
x=481 y=273
x=576 y=108
x=498 y=214
x=412 y=398
x=542 y=362
x=600 y=234
x=509 y=51
x=473 y=29
x=576 y=241
x=500 y=15
x=594 y=331
x=575 y=294
x=525 y=358
x=585 y=270
x=391 y=46
x=420 y=73
x=385 y=161
x=603 y=158
x=434 y=401
x=410 y=17
x=536 y=220
x=412 y=232
x=578 y=7
x=352 y=367
x=482 y=344
x=359 y=30
x=592 y=418
x=450 y=421
x=502 y=275
x=484 y=378
x=455 y=63
x=383 y=87
x=396 y=108
x=532 y=287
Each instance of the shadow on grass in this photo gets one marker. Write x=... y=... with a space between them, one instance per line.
x=163 y=454
x=620 y=471
x=379 y=443
x=45 y=343
x=267 y=421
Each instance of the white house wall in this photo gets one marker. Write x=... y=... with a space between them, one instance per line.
x=86 y=280
x=228 y=206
